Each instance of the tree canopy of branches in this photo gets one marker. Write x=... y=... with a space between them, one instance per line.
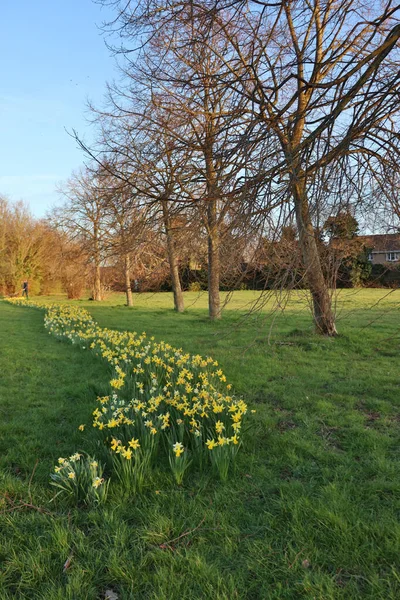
x=313 y=88
x=83 y=218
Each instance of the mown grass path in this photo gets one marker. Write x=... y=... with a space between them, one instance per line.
x=312 y=511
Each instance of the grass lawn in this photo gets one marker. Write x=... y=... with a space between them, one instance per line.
x=312 y=511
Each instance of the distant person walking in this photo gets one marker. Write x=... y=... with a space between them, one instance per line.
x=25 y=290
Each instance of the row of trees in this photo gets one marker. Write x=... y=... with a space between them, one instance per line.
x=243 y=116
x=89 y=246
x=90 y=243
x=231 y=121
x=151 y=242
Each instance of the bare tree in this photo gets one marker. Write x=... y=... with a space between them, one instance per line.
x=197 y=117
x=136 y=152
x=84 y=217
x=323 y=85
x=126 y=222
x=160 y=171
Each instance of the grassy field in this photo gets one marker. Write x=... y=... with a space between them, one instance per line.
x=311 y=511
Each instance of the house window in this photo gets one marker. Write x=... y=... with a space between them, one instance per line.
x=392 y=256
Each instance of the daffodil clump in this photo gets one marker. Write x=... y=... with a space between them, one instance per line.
x=80 y=478
x=161 y=398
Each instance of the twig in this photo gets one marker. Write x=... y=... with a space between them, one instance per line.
x=295 y=558
x=22 y=505
x=30 y=480
x=186 y=533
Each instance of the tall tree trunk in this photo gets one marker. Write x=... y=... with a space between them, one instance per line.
x=128 y=289
x=97 y=291
x=173 y=261
x=322 y=304
x=214 y=303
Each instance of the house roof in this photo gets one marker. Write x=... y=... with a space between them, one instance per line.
x=388 y=242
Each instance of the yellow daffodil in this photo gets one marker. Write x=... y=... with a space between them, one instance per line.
x=114 y=444
x=219 y=427
x=134 y=444
x=127 y=453
x=97 y=481
x=178 y=449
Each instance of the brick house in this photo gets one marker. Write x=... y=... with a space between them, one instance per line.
x=383 y=248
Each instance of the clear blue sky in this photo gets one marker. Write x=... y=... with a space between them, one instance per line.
x=52 y=59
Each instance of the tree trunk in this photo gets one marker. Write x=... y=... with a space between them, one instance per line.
x=322 y=304
x=173 y=261
x=214 y=303
x=128 y=289
x=97 y=291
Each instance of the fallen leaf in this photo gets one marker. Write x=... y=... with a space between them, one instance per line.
x=67 y=563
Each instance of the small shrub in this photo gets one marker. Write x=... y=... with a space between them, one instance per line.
x=195 y=286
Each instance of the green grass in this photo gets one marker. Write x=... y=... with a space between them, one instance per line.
x=312 y=509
